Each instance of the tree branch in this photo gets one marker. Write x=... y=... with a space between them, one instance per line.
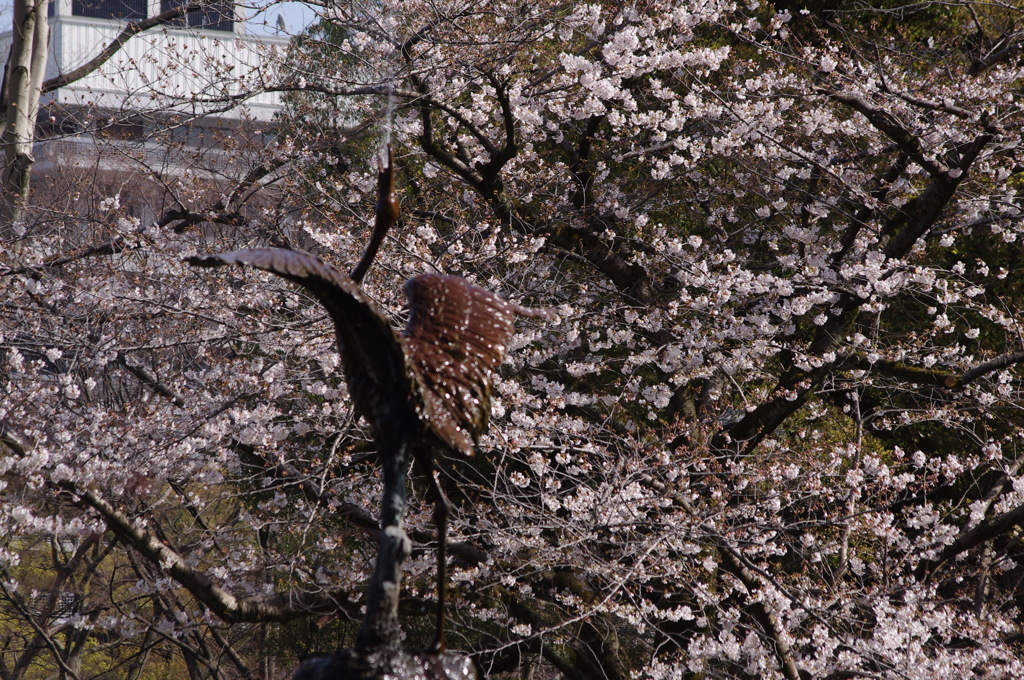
x=891 y=126
x=130 y=30
x=990 y=366
x=738 y=566
x=41 y=634
x=111 y=247
x=765 y=616
x=904 y=230
x=901 y=370
x=1000 y=55
x=987 y=530
x=279 y=607
x=919 y=214
x=16 y=441
x=146 y=377
x=315 y=492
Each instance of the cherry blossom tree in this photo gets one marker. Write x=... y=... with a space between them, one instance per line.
x=774 y=433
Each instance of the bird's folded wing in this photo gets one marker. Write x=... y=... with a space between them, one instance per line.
x=456 y=338
x=371 y=352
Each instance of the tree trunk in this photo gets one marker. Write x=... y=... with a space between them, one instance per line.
x=26 y=66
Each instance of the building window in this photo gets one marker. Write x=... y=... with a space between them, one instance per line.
x=216 y=15
x=131 y=10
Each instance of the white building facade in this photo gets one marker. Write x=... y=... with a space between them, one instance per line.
x=188 y=66
x=168 y=105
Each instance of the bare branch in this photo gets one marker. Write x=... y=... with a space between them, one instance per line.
x=130 y=30
x=224 y=211
x=41 y=633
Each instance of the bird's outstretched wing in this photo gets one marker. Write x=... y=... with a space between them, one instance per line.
x=376 y=369
x=456 y=338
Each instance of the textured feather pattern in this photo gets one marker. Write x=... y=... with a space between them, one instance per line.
x=456 y=337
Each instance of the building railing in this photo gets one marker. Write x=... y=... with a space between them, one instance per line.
x=168 y=68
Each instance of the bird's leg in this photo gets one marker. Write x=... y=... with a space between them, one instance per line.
x=441 y=511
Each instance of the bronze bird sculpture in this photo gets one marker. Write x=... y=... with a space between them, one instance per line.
x=430 y=385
